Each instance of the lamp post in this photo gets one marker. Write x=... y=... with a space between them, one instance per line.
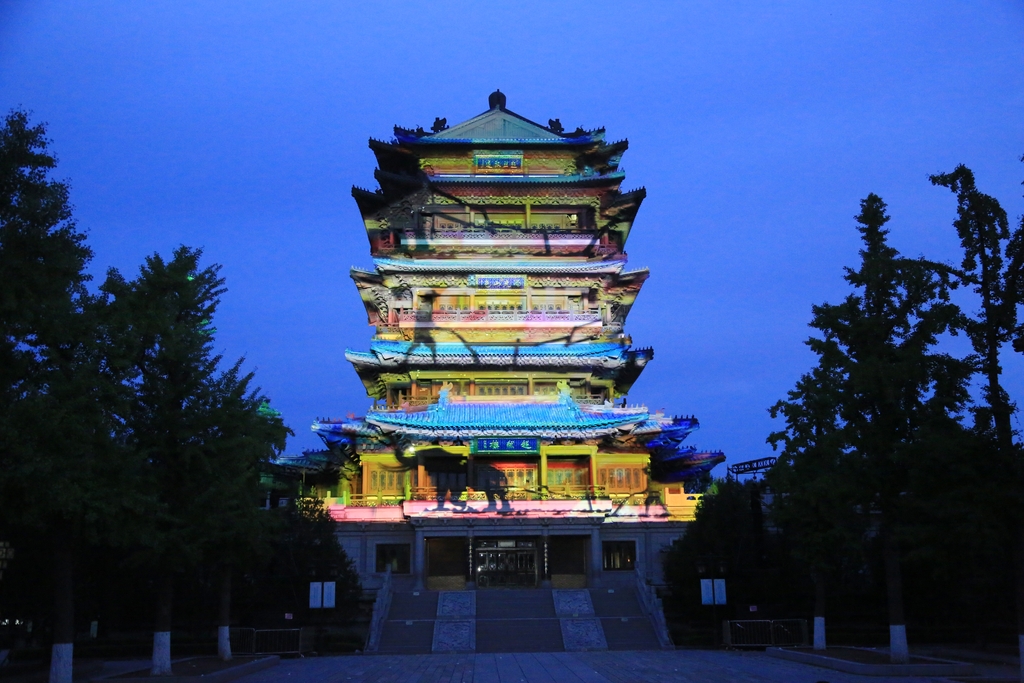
x=712 y=569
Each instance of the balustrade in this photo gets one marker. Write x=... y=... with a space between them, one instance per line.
x=452 y=316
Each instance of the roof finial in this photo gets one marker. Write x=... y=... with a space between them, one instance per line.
x=496 y=100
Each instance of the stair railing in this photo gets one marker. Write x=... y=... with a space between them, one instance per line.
x=651 y=604
x=381 y=606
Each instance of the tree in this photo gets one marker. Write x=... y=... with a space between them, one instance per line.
x=170 y=306
x=247 y=434
x=60 y=389
x=304 y=548
x=894 y=385
x=814 y=501
x=203 y=434
x=993 y=266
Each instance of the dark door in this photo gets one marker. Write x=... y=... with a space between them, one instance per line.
x=505 y=564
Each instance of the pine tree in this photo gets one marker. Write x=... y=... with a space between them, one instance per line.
x=894 y=387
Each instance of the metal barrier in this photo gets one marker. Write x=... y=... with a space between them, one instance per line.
x=276 y=641
x=764 y=632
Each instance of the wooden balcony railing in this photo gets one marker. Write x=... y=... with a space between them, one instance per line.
x=464 y=316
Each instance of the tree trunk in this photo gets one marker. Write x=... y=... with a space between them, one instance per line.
x=162 y=629
x=898 y=652
x=224 y=621
x=1018 y=571
x=819 y=612
x=62 y=652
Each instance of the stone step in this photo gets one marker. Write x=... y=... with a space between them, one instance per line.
x=630 y=633
x=516 y=620
x=526 y=603
x=407 y=637
x=622 y=602
x=519 y=635
x=413 y=605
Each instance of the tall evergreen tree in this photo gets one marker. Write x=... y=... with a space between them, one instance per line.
x=895 y=385
x=993 y=267
x=170 y=306
x=60 y=388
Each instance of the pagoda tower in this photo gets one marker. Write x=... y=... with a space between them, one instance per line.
x=500 y=365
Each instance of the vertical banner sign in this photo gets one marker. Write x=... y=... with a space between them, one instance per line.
x=316 y=589
x=719 y=591
x=712 y=591
x=328 y=595
x=707 y=593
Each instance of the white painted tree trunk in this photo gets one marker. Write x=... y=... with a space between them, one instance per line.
x=161 y=654
x=61 y=662
x=898 y=652
x=819 y=633
x=1020 y=654
x=224 y=642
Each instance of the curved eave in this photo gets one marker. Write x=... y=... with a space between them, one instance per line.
x=497 y=266
x=606 y=180
x=363 y=276
x=414 y=140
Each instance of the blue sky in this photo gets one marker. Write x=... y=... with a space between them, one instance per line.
x=756 y=128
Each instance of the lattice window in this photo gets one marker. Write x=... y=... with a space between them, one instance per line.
x=622 y=479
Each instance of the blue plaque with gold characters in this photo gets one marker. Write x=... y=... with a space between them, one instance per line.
x=506 y=445
x=498 y=163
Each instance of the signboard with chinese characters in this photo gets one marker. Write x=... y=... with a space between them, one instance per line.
x=499 y=162
x=505 y=445
x=497 y=281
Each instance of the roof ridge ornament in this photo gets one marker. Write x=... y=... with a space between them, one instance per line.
x=496 y=100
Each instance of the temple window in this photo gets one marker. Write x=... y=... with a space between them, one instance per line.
x=387 y=481
x=622 y=479
x=619 y=555
x=393 y=555
x=504 y=389
x=451 y=303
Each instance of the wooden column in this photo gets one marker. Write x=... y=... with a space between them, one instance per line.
x=543 y=471
x=421 y=473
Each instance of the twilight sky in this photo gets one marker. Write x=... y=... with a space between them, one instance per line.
x=756 y=128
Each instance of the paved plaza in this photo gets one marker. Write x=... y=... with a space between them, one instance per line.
x=686 y=666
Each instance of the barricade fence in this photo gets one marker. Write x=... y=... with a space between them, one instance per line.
x=275 y=641
x=764 y=632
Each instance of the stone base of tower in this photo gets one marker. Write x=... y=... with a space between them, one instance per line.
x=533 y=544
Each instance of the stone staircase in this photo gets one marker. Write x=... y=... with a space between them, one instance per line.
x=516 y=620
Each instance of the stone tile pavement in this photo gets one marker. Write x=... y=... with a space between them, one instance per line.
x=678 y=666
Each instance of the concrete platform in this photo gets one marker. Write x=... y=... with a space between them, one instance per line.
x=659 y=666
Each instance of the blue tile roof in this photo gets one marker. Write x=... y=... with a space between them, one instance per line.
x=555 y=419
x=604 y=354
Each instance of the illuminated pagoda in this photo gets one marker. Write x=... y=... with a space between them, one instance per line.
x=500 y=368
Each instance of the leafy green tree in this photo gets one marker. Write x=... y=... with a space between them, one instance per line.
x=204 y=435
x=993 y=267
x=60 y=375
x=170 y=306
x=247 y=434
x=304 y=548
x=814 y=501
